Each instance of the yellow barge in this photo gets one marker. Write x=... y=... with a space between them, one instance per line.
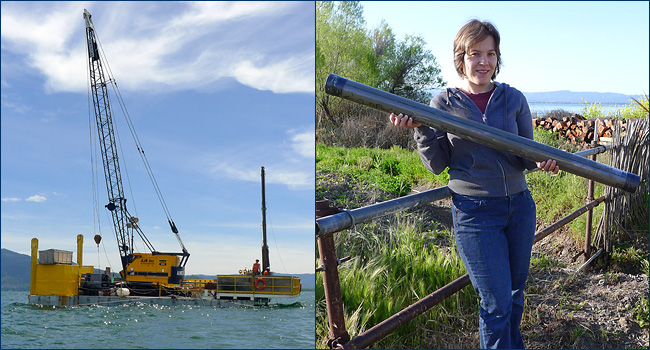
x=56 y=281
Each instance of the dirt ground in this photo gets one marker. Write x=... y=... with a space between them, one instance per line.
x=590 y=309
x=565 y=308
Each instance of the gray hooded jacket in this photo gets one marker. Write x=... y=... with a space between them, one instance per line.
x=474 y=169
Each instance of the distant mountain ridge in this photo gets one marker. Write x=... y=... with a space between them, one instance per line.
x=15 y=269
x=566 y=96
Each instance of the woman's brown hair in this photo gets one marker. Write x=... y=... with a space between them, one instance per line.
x=471 y=34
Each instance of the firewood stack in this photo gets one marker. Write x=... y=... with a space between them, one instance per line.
x=577 y=128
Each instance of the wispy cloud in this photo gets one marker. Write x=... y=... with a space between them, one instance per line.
x=294 y=179
x=293 y=74
x=304 y=144
x=35 y=198
x=183 y=46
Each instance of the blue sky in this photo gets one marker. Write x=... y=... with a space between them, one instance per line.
x=215 y=91
x=597 y=46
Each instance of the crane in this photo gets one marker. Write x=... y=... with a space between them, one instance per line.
x=154 y=267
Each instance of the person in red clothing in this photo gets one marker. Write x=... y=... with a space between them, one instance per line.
x=256 y=267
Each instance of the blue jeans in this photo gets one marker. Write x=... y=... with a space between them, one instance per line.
x=495 y=238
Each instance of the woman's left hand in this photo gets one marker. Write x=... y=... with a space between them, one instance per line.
x=549 y=165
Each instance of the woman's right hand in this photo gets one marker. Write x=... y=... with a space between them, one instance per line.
x=403 y=121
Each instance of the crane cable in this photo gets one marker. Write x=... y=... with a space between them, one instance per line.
x=276 y=242
x=95 y=173
x=97 y=227
x=138 y=145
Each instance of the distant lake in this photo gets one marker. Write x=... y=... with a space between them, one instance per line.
x=542 y=108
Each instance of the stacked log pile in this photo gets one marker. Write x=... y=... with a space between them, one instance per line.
x=577 y=129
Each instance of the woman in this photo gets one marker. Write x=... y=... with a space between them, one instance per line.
x=493 y=211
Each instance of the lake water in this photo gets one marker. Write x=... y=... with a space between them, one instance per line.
x=543 y=108
x=285 y=324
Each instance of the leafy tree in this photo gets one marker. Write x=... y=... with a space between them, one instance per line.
x=342 y=47
x=406 y=68
x=375 y=58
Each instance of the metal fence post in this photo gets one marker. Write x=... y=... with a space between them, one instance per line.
x=338 y=335
x=590 y=198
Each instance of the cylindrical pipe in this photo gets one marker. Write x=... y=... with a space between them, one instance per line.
x=80 y=251
x=80 y=254
x=567 y=219
x=590 y=197
x=332 y=287
x=34 y=262
x=348 y=218
x=480 y=133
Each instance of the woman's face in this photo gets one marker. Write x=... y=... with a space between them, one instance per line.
x=479 y=65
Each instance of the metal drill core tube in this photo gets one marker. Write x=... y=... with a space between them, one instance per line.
x=480 y=133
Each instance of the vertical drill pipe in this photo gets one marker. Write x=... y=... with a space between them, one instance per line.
x=331 y=284
x=266 y=264
x=390 y=324
x=480 y=133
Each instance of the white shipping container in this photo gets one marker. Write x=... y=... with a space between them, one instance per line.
x=54 y=256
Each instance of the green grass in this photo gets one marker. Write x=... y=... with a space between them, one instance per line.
x=395 y=170
x=640 y=312
x=543 y=262
x=393 y=267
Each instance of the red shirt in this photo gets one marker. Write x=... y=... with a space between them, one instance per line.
x=481 y=99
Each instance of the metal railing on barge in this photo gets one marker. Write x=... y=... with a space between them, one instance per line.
x=247 y=284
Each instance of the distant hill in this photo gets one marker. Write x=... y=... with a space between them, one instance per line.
x=15 y=270
x=566 y=96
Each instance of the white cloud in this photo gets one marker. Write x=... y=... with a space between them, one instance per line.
x=278 y=173
x=177 y=46
x=36 y=198
x=11 y=199
x=207 y=12
x=304 y=144
x=280 y=77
